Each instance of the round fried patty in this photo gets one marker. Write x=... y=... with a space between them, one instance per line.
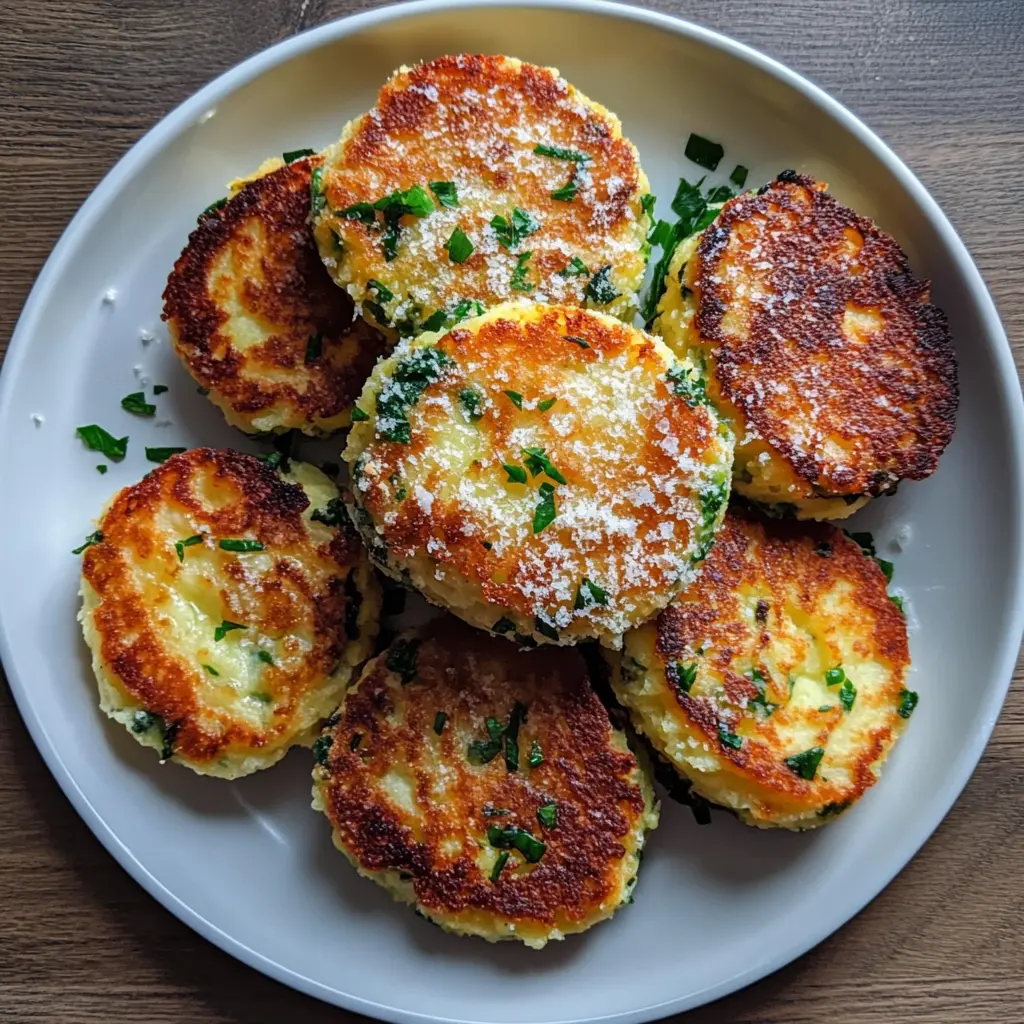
x=256 y=318
x=480 y=179
x=486 y=786
x=226 y=606
x=818 y=345
x=776 y=682
x=541 y=471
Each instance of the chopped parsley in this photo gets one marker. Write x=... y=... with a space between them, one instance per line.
x=886 y=567
x=503 y=625
x=511 y=837
x=512 y=230
x=353 y=743
x=225 y=627
x=568 y=192
x=482 y=752
x=560 y=153
x=898 y=601
x=445 y=193
x=411 y=377
x=459 y=247
x=362 y=212
x=834 y=676
x=499 y=866
x=582 y=342
x=739 y=175
x=757 y=677
x=806 y=763
x=136 y=403
x=908 y=701
x=545 y=512
x=600 y=287
x=102 y=468
x=516 y=475
x=511 y=736
x=266 y=657
x=318 y=200
x=401 y=659
x=574 y=268
x=412 y=201
x=703 y=151
x=359 y=415
x=728 y=738
x=847 y=695
x=536 y=757
x=720 y=194
x=211 y=670
x=161 y=454
x=647 y=201
x=537 y=462
x=515 y=398
x=160 y=389
x=240 y=544
x=99 y=440
x=544 y=628
x=547 y=815
x=143 y=721
x=830 y=810
x=217 y=204
x=292 y=155
x=472 y=402
x=865 y=542
x=682 y=676
x=499 y=737
x=167 y=747
x=687 y=384
x=322 y=748
x=440 y=720
x=546 y=404
x=314 y=348
x=518 y=282
x=588 y=595
x=332 y=514
x=187 y=542
x=93 y=538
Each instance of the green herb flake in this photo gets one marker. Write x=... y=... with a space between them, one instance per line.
x=561 y=153
x=728 y=738
x=186 y=542
x=459 y=247
x=503 y=625
x=536 y=756
x=359 y=415
x=546 y=511
x=739 y=175
x=362 y=212
x=512 y=230
x=588 y=595
x=647 y=201
x=99 y=440
x=825 y=707
x=143 y=721
x=516 y=474
x=401 y=659
x=886 y=567
x=217 y=204
x=703 y=151
x=92 y=539
x=102 y=468
x=314 y=348
x=499 y=866
x=865 y=542
x=292 y=155
x=681 y=675
x=482 y=752
x=547 y=815
x=322 y=748
x=847 y=695
x=445 y=192
x=440 y=720
x=687 y=384
x=898 y=601
x=719 y=195
x=332 y=514
x=537 y=462
x=830 y=810
x=211 y=670
x=600 y=287
x=167 y=744
x=511 y=736
x=834 y=676
x=511 y=837
x=410 y=378
x=908 y=701
x=546 y=404
x=518 y=282
x=160 y=455
x=805 y=764
x=472 y=402
x=582 y=342
x=266 y=657
x=241 y=544
x=515 y=398
x=226 y=627
x=353 y=743
x=318 y=201
x=574 y=268
x=567 y=192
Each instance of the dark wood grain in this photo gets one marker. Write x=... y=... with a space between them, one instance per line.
x=941 y=80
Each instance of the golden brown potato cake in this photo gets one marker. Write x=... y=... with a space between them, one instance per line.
x=478 y=179
x=485 y=785
x=819 y=346
x=776 y=682
x=226 y=607
x=256 y=318
x=540 y=471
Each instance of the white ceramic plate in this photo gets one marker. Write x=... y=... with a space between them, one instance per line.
x=247 y=864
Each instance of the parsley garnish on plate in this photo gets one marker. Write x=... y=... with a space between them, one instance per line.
x=729 y=738
x=217 y=204
x=908 y=701
x=291 y=155
x=703 y=151
x=93 y=538
x=589 y=594
x=546 y=404
x=162 y=454
x=332 y=514
x=136 y=403
x=99 y=440
x=739 y=176
x=459 y=247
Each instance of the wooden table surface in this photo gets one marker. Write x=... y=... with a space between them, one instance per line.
x=941 y=80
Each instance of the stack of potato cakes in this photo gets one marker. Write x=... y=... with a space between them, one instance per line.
x=454 y=282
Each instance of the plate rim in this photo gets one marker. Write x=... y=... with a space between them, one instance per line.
x=263 y=61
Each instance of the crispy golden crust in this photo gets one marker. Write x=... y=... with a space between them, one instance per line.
x=645 y=475
x=433 y=827
x=245 y=297
x=474 y=120
x=799 y=291
x=151 y=612
x=731 y=679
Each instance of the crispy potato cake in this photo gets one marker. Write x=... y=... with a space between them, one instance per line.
x=819 y=347
x=776 y=682
x=226 y=607
x=478 y=179
x=486 y=786
x=542 y=471
x=256 y=318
